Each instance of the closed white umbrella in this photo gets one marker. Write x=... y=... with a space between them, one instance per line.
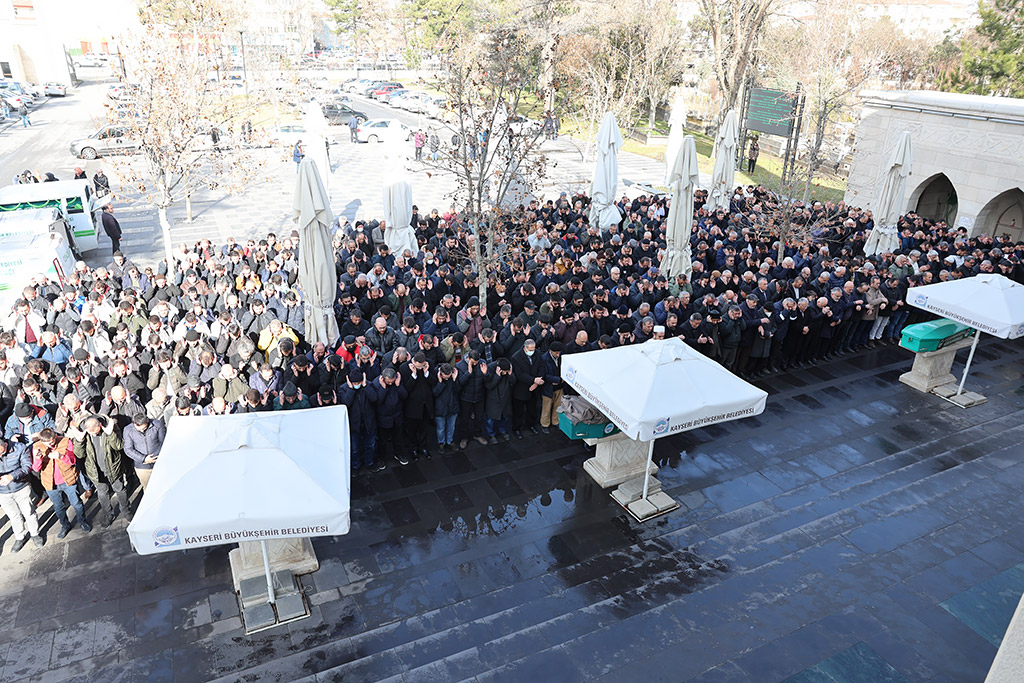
x=398 y=233
x=890 y=203
x=723 y=178
x=318 y=279
x=660 y=387
x=317 y=137
x=988 y=303
x=681 y=177
x=603 y=212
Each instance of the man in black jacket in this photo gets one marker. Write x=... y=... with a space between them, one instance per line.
x=528 y=366
x=418 y=379
x=471 y=400
x=112 y=228
x=389 y=399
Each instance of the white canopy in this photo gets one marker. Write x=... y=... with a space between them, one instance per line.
x=317 y=276
x=660 y=387
x=991 y=303
x=603 y=212
x=890 y=203
x=682 y=176
x=988 y=303
x=398 y=233
x=247 y=477
x=723 y=177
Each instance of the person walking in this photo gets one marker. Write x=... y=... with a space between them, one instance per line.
x=297 y=154
x=101 y=182
x=23 y=113
x=53 y=457
x=102 y=448
x=16 y=494
x=418 y=139
x=353 y=127
x=112 y=228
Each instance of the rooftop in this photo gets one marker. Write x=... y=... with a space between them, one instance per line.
x=933 y=100
x=857 y=530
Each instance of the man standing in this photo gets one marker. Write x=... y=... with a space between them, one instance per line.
x=112 y=227
x=297 y=154
x=419 y=405
x=143 y=439
x=528 y=366
x=103 y=451
x=551 y=389
x=23 y=113
x=353 y=126
x=53 y=457
x=752 y=155
x=101 y=183
x=16 y=494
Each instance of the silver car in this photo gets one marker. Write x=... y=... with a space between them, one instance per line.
x=107 y=140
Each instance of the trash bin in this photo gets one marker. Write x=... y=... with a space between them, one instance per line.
x=933 y=335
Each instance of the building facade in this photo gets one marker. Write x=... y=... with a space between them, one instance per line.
x=968 y=157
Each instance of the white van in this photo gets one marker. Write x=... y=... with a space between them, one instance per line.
x=25 y=256
x=74 y=198
x=36 y=222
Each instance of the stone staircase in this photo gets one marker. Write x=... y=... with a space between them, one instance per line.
x=804 y=530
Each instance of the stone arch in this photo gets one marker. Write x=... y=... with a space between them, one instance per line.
x=1003 y=215
x=935 y=199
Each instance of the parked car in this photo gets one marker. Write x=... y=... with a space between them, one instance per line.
x=26 y=90
x=55 y=90
x=339 y=114
x=13 y=99
x=369 y=88
x=384 y=88
x=86 y=61
x=417 y=102
x=437 y=108
x=107 y=140
x=288 y=134
x=390 y=96
x=378 y=130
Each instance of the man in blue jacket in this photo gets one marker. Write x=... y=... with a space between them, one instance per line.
x=16 y=494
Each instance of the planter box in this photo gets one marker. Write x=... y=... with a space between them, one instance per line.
x=653 y=139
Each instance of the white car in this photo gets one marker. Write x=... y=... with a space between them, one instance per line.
x=14 y=100
x=416 y=102
x=86 y=61
x=288 y=134
x=55 y=90
x=378 y=130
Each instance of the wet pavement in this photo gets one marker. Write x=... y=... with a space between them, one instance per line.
x=855 y=531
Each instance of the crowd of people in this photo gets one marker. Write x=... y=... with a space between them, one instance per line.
x=93 y=368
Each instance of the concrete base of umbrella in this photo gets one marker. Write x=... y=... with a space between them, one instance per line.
x=931 y=374
x=293 y=554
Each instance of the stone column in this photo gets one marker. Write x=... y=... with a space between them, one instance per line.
x=618 y=459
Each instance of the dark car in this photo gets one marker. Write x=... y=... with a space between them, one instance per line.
x=339 y=114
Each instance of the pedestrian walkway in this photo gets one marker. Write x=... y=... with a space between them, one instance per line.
x=854 y=531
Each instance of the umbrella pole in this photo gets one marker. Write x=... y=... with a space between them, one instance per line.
x=647 y=467
x=970 y=357
x=271 y=598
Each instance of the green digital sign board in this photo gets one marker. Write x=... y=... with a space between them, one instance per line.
x=771 y=111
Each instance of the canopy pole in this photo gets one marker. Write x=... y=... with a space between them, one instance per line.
x=970 y=357
x=271 y=598
x=647 y=467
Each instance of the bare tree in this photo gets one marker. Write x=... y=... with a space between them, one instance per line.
x=492 y=154
x=731 y=29
x=182 y=119
x=833 y=54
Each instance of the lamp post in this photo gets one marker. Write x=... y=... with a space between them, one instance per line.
x=245 y=73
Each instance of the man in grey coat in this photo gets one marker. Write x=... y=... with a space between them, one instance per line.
x=143 y=439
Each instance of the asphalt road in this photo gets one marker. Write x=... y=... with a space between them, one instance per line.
x=43 y=147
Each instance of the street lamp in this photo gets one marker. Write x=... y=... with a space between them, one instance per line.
x=245 y=74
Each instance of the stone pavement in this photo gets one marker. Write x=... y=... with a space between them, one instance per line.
x=857 y=530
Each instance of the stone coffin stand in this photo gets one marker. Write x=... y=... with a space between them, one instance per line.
x=931 y=374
